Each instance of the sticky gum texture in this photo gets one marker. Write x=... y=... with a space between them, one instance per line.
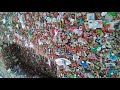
x=89 y=38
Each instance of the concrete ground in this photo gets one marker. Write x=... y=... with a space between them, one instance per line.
x=3 y=71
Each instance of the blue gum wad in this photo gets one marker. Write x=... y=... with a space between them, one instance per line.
x=99 y=40
x=109 y=72
x=83 y=64
x=112 y=57
x=79 y=20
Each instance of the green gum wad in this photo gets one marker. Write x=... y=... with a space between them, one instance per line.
x=30 y=33
x=94 y=49
x=74 y=76
x=98 y=31
x=104 y=23
x=112 y=13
